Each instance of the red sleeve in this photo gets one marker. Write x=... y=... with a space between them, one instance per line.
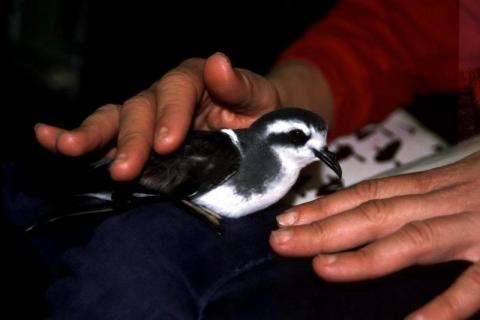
x=377 y=55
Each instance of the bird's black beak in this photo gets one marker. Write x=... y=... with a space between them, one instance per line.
x=330 y=160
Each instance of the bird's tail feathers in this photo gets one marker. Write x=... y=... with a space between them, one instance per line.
x=90 y=208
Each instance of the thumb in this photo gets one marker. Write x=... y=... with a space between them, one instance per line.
x=241 y=90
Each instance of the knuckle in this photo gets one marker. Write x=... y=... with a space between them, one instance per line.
x=319 y=230
x=321 y=206
x=107 y=108
x=181 y=77
x=473 y=275
x=419 y=233
x=132 y=137
x=424 y=182
x=174 y=75
x=451 y=305
x=157 y=86
x=367 y=189
x=375 y=211
x=137 y=102
x=367 y=257
x=181 y=74
x=192 y=62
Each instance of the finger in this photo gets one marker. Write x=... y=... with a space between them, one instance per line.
x=177 y=95
x=217 y=117
x=369 y=221
x=420 y=242
x=135 y=136
x=95 y=132
x=243 y=91
x=460 y=301
x=352 y=197
x=47 y=135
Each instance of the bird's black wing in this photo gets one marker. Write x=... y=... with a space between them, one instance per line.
x=204 y=161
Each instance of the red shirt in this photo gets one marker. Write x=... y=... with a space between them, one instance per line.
x=378 y=55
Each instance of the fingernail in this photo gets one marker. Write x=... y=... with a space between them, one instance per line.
x=36 y=126
x=162 y=133
x=282 y=235
x=326 y=259
x=287 y=219
x=224 y=56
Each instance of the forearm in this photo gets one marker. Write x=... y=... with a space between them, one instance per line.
x=377 y=55
x=303 y=85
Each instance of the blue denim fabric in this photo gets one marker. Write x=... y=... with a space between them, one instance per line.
x=158 y=261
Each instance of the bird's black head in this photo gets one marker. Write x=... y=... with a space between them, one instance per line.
x=289 y=116
x=298 y=136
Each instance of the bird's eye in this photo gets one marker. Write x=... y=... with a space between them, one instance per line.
x=297 y=137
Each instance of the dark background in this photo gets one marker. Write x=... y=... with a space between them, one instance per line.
x=65 y=58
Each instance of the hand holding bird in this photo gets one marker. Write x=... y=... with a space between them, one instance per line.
x=206 y=94
x=231 y=173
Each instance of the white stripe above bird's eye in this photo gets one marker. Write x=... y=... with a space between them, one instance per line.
x=283 y=126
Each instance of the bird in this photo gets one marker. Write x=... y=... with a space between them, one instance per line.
x=229 y=173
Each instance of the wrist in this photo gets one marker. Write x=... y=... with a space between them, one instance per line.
x=302 y=85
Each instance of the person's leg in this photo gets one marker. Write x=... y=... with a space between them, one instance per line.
x=160 y=262
x=156 y=259
x=157 y=262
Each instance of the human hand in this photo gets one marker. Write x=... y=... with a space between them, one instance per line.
x=209 y=93
x=421 y=218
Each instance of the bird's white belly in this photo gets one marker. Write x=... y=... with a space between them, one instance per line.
x=225 y=201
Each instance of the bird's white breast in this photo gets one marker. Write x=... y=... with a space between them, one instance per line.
x=226 y=201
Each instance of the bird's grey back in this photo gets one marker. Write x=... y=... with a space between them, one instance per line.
x=205 y=160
